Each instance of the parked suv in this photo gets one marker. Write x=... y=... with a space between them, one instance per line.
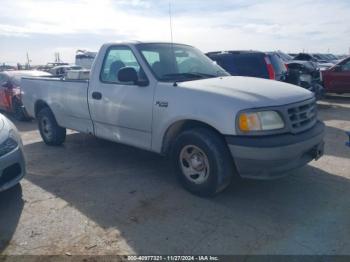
x=251 y=63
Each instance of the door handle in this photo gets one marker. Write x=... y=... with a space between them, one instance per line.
x=96 y=95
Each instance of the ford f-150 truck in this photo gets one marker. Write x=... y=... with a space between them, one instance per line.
x=171 y=99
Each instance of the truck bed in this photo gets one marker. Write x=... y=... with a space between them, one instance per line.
x=67 y=98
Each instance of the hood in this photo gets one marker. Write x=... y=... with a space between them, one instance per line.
x=257 y=92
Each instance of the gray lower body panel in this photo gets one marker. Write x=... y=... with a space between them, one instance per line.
x=259 y=160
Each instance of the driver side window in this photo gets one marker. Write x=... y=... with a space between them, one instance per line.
x=116 y=59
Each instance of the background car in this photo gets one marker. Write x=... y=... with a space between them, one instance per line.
x=303 y=73
x=326 y=58
x=322 y=64
x=251 y=63
x=337 y=78
x=285 y=57
x=333 y=58
x=341 y=57
x=12 y=162
x=85 y=58
x=10 y=91
x=4 y=67
x=322 y=58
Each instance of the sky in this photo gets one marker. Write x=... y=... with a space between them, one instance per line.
x=42 y=28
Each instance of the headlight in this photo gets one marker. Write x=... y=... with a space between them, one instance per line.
x=259 y=121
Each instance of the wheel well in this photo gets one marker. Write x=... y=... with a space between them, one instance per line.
x=180 y=126
x=39 y=105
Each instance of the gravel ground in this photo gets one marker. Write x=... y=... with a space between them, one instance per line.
x=95 y=197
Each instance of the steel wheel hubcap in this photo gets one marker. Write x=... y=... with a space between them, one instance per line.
x=194 y=164
x=46 y=127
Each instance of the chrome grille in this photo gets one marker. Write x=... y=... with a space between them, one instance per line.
x=302 y=116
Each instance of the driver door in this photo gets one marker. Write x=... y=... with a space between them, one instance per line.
x=121 y=112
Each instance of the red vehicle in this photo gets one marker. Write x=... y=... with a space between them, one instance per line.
x=10 y=92
x=337 y=78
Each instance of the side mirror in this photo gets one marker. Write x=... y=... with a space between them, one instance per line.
x=129 y=74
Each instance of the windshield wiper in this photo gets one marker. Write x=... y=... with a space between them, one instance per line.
x=187 y=75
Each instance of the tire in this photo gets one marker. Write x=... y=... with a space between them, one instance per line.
x=204 y=153
x=50 y=131
x=18 y=112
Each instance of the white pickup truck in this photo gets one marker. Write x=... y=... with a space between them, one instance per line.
x=173 y=100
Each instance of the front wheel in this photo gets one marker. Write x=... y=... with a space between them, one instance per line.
x=50 y=131
x=202 y=160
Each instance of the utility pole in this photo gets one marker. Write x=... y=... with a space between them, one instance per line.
x=28 y=62
x=57 y=57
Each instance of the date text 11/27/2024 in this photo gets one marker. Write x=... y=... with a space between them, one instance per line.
x=173 y=258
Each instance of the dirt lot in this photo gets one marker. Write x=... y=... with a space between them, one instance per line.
x=96 y=197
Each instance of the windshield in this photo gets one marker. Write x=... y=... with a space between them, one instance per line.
x=174 y=62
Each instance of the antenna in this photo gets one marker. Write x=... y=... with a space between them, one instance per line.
x=171 y=38
x=171 y=22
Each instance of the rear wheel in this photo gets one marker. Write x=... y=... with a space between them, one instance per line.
x=50 y=131
x=202 y=160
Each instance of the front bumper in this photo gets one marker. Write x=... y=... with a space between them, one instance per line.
x=12 y=168
x=268 y=157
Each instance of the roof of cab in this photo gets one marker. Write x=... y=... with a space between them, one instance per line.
x=135 y=42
